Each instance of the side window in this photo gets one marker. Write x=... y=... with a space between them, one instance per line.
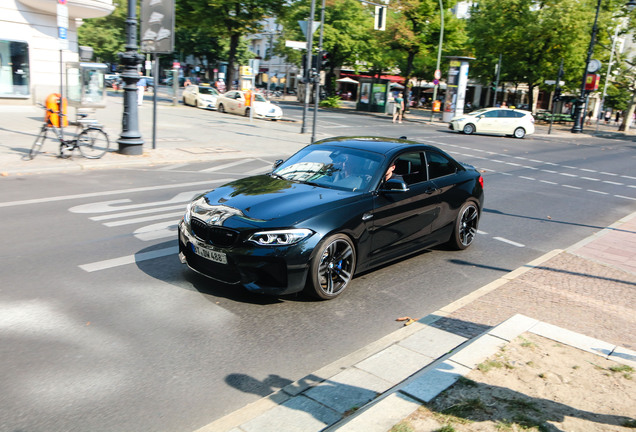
x=439 y=165
x=410 y=167
x=518 y=114
x=494 y=113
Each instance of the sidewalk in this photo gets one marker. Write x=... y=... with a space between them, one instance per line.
x=584 y=296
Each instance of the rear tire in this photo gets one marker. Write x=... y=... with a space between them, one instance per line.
x=221 y=108
x=331 y=269
x=247 y=112
x=184 y=102
x=93 y=143
x=465 y=226
x=39 y=141
x=519 y=133
x=469 y=129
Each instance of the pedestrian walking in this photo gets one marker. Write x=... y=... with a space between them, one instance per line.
x=141 y=89
x=589 y=118
x=398 y=108
x=617 y=118
x=608 y=116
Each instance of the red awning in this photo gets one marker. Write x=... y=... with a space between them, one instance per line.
x=392 y=78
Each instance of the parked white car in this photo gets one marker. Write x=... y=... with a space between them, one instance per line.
x=200 y=96
x=505 y=121
x=234 y=102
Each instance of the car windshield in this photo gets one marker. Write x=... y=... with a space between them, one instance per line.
x=207 y=90
x=332 y=167
x=477 y=112
x=259 y=98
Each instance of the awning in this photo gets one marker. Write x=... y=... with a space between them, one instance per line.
x=347 y=80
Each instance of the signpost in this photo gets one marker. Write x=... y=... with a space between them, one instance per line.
x=62 y=35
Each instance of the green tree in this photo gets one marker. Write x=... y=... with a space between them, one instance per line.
x=106 y=35
x=346 y=34
x=229 y=20
x=413 y=33
x=533 y=37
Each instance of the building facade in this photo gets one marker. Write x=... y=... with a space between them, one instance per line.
x=30 y=54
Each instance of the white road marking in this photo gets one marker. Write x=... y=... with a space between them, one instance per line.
x=510 y=242
x=548 y=182
x=129 y=259
x=597 y=192
x=107 y=193
x=109 y=206
x=227 y=165
x=161 y=230
x=144 y=219
x=629 y=198
x=590 y=178
x=527 y=178
x=138 y=212
x=613 y=183
x=572 y=187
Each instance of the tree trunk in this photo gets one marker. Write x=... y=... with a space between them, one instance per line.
x=231 y=59
x=624 y=127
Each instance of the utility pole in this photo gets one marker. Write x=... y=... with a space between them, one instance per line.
x=317 y=77
x=494 y=99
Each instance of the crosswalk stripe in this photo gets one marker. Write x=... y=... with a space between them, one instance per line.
x=129 y=259
x=227 y=165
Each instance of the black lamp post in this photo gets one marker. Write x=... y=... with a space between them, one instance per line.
x=130 y=141
x=578 y=104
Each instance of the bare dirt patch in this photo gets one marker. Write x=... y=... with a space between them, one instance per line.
x=534 y=384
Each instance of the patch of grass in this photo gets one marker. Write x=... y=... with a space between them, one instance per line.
x=465 y=408
x=542 y=375
x=527 y=422
x=526 y=343
x=631 y=423
x=488 y=365
x=624 y=369
x=576 y=367
x=466 y=382
x=523 y=405
x=403 y=426
x=446 y=428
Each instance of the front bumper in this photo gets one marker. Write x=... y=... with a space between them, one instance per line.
x=268 y=270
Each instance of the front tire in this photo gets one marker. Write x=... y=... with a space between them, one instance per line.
x=247 y=112
x=465 y=226
x=221 y=108
x=519 y=133
x=469 y=129
x=331 y=269
x=37 y=144
x=93 y=143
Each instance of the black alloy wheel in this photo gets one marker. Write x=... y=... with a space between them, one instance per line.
x=332 y=267
x=465 y=226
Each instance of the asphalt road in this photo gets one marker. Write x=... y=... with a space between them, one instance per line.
x=103 y=329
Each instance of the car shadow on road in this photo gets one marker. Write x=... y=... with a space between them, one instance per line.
x=168 y=268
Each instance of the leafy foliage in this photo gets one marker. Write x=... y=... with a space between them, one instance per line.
x=106 y=35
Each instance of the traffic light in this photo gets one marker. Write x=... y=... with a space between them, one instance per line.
x=325 y=60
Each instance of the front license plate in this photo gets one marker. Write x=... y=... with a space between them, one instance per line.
x=215 y=256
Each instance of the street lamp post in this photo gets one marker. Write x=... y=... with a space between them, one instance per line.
x=130 y=141
x=577 y=127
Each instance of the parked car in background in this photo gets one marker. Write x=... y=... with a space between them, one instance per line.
x=504 y=121
x=200 y=96
x=112 y=79
x=338 y=207
x=234 y=102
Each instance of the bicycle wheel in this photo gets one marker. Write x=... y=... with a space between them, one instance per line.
x=93 y=143
x=37 y=144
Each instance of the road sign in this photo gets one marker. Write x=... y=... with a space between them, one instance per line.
x=295 y=44
x=438 y=74
x=62 y=24
x=303 y=26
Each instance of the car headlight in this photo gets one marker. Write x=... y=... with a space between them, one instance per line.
x=280 y=237
x=186 y=216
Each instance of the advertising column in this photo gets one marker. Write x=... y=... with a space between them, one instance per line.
x=456 y=87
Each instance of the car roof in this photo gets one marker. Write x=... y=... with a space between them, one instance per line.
x=382 y=145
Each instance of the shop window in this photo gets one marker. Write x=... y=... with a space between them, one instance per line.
x=14 y=68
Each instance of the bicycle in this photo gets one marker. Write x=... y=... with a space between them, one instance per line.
x=90 y=138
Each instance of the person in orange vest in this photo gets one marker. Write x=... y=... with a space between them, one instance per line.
x=248 y=98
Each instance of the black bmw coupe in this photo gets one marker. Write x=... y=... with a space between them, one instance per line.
x=338 y=207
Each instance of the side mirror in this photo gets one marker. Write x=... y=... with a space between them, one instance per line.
x=394 y=185
x=278 y=163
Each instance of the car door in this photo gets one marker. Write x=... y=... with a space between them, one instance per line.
x=403 y=219
x=488 y=122
x=448 y=179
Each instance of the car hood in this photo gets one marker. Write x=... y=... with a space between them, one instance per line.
x=263 y=201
